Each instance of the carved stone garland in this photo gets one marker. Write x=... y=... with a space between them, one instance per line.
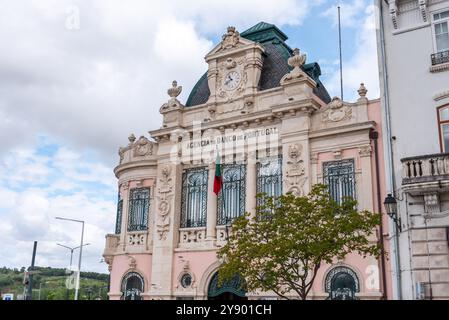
x=165 y=190
x=295 y=170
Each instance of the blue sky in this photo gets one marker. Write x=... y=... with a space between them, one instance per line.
x=77 y=77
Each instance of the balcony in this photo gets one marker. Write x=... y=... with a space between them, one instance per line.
x=427 y=173
x=440 y=61
x=112 y=241
x=440 y=57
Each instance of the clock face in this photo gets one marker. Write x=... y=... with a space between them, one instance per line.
x=232 y=80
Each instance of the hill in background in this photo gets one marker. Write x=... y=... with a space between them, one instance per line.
x=51 y=282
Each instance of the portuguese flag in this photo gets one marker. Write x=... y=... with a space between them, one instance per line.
x=218 y=181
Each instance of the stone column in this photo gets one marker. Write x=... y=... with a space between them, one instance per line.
x=251 y=185
x=124 y=192
x=365 y=195
x=211 y=221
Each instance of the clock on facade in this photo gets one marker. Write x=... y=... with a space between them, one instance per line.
x=232 y=80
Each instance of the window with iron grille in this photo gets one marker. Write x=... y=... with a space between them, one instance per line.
x=139 y=205
x=194 y=198
x=133 y=285
x=340 y=178
x=269 y=177
x=118 y=222
x=231 y=199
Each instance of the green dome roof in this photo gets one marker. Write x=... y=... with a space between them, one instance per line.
x=275 y=64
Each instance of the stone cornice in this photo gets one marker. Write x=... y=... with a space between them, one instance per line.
x=120 y=169
x=368 y=125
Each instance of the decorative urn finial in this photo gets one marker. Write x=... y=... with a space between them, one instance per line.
x=362 y=91
x=297 y=60
x=174 y=91
x=131 y=138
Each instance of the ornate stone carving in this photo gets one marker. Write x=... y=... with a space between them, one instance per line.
x=131 y=139
x=165 y=190
x=230 y=63
x=295 y=170
x=121 y=153
x=173 y=103
x=136 y=239
x=365 y=151
x=143 y=147
x=423 y=9
x=132 y=262
x=296 y=61
x=337 y=154
x=393 y=13
x=230 y=39
x=336 y=111
x=109 y=260
x=431 y=203
x=193 y=236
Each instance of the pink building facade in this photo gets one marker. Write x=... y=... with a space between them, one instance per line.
x=265 y=110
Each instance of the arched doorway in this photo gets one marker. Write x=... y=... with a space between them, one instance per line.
x=233 y=289
x=132 y=286
x=342 y=284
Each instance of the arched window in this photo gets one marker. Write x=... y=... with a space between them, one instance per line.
x=342 y=284
x=194 y=198
x=233 y=289
x=132 y=286
x=231 y=199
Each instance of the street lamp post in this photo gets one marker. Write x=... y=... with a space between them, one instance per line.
x=80 y=255
x=71 y=251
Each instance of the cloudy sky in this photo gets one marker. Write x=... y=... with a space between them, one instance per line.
x=77 y=77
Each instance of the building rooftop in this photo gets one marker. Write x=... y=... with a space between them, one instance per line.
x=274 y=68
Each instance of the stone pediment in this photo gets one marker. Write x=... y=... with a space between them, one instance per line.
x=231 y=41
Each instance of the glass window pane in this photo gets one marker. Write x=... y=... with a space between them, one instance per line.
x=444 y=114
x=139 y=204
x=340 y=178
x=442 y=41
x=269 y=177
x=194 y=198
x=442 y=36
x=445 y=130
x=231 y=199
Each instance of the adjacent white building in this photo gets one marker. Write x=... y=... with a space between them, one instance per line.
x=413 y=47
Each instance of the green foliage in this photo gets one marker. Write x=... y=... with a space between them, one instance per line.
x=284 y=245
x=52 y=282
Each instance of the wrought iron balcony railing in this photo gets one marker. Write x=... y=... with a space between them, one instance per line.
x=440 y=57
x=425 y=168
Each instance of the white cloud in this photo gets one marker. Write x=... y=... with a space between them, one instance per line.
x=74 y=186
x=92 y=86
x=362 y=65
x=88 y=88
x=349 y=12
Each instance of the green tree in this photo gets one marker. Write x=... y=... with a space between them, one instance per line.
x=283 y=246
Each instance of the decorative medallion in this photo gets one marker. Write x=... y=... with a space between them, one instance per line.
x=336 y=111
x=143 y=147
